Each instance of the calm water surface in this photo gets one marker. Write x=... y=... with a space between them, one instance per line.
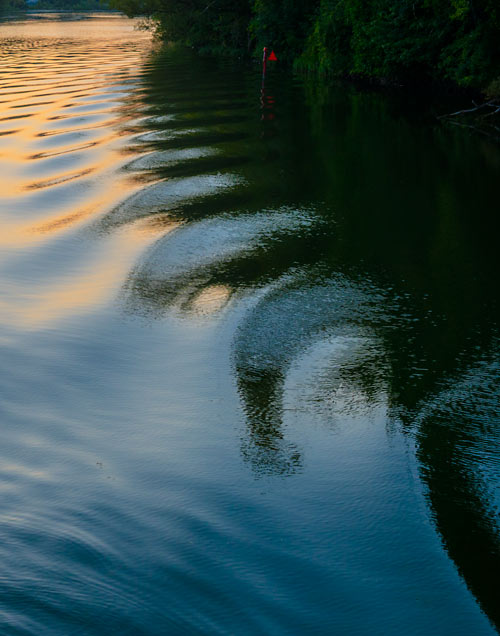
x=249 y=349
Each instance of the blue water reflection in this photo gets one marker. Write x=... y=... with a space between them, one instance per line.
x=249 y=349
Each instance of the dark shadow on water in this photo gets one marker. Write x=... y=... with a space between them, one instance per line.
x=335 y=213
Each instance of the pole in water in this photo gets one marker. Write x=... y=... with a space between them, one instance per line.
x=267 y=56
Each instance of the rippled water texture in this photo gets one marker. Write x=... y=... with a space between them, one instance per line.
x=249 y=349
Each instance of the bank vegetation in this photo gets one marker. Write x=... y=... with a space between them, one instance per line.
x=390 y=41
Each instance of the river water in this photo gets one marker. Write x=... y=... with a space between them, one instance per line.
x=248 y=351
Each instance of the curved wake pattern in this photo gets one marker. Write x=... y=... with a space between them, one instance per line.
x=230 y=325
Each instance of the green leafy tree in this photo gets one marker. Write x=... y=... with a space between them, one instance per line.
x=389 y=40
x=207 y=25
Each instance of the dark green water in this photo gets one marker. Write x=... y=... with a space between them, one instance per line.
x=249 y=349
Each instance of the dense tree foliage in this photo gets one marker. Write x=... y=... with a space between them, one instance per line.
x=6 y=5
x=456 y=40
x=55 y=5
x=71 y=5
x=208 y=25
x=389 y=40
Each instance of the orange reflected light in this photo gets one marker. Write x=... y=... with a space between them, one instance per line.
x=45 y=306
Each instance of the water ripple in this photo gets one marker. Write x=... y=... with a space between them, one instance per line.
x=223 y=357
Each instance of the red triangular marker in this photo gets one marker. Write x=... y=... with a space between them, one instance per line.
x=272 y=57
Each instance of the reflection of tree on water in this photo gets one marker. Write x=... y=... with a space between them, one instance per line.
x=342 y=200
x=459 y=445
x=442 y=246
x=290 y=318
x=265 y=446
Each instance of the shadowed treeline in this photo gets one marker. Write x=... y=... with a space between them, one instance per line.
x=391 y=42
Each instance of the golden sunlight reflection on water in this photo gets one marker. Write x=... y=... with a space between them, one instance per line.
x=211 y=299
x=42 y=304
x=65 y=122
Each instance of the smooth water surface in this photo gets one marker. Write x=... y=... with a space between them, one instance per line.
x=249 y=349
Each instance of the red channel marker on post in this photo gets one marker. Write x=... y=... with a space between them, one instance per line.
x=265 y=57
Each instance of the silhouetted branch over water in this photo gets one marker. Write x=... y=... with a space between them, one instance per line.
x=482 y=118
